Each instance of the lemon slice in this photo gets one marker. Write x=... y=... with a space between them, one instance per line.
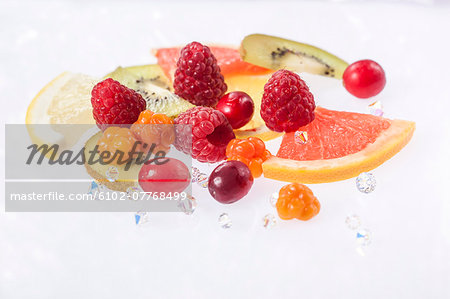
x=65 y=100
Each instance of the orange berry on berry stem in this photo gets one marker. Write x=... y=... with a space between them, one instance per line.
x=297 y=201
x=255 y=166
x=259 y=145
x=244 y=148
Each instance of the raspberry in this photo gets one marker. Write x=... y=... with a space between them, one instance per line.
x=207 y=140
x=287 y=104
x=197 y=77
x=115 y=103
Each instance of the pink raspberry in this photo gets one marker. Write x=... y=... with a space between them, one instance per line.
x=115 y=104
x=197 y=77
x=207 y=137
x=287 y=104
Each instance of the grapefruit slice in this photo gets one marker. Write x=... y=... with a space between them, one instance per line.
x=340 y=146
x=228 y=58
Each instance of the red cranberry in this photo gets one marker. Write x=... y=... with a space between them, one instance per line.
x=238 y=107
x=364 y=78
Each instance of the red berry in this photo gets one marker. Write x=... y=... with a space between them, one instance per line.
x=207 y=137
x=364 y=79
x=238 y=107
x=197 y=77
x=171 y=176
x=230 y=181
x=115 y=104
x=287 y=104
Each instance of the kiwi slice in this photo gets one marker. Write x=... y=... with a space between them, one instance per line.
x=127 y=178
x=153 y=85
x=134 y=76
x=278 y=53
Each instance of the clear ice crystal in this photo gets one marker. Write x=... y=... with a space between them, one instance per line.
x=273 y=199
x=353 y=221
x=112 y=174
x=95 y=189
x=301 y=137
x=195 y=173
x=202 y=180
x=376 y=108
x=188 y=205
x=269 y=221
x=365 y=182
x=363 y=237
x=141 y=217
x=199 y=177
x=133 y=192
x=225 y=221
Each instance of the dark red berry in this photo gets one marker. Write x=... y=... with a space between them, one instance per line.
x=197 y=77
x=287 y=104
x=230 y=181
x=364 y=79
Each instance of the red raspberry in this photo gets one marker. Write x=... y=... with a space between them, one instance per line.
x=115 y=104
x=198 y=78
x=207 y=138
x=287 y=104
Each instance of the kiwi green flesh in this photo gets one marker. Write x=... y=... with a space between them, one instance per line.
x=153 y=85
x=278 y=53
x=127 y=178
x=134 y=76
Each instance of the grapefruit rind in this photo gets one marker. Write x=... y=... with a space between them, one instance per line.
x=262 y=132
x=387 y=144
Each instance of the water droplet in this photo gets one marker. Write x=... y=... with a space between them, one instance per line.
x=363 y=237
x=141 y=218
x=376 y=108
x=112 y=174
x=273 y=199
x=365 y=182
x=301 y=137
x=269 y=221
x=353 y=221
x=133 y=192
x=188 y=205
x=225 y=221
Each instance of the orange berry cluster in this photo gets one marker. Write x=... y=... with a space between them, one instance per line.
x=154 y=128
x=117 y=139
x=251 y=151
x=297 y=201
x=162 y=134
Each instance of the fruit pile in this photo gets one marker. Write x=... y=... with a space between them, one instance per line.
x=220 y=103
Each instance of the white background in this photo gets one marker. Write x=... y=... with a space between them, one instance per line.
x=104 y=255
